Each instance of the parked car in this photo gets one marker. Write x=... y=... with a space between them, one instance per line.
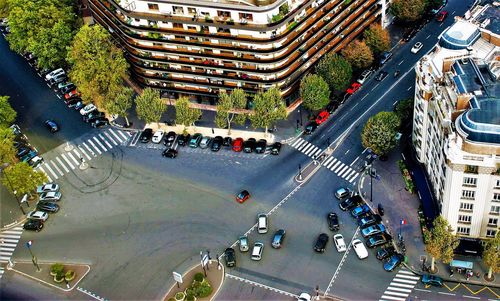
x=342 y=193
x=338 y=239
x=381 y=75
x=321 y=242
x=377 y=240
x=146 y=135
x=79 y=105
x=278 y=238
x=71 y=103
x=310 y=128
x=249 y=145
x=350 y=203
x=332 y=106
x=72 y=94
x=22 y=151
x=360 y=210
x=243 y=242
x=51 y=125
x=364 y=76
x=372 y=230
x=170 y=153
x=38 y=215
x=182 y=140
x=385 y=252
x=333 y=221
x=47 y=188
x=91 y=117
x=369 y=220
x=35 y=161
x=410 y=33
x=432 y=280
x=66 y=87
x=304 y=297
x=33 y=225
x=205 y=142
x=441 y=16
x=275 y=149
x=322 y=117
x=99 y=122
x=158 y=136
x=260 y=147
x=230 y=257
x=50 y=196
x=228 y=141
x=57 y=79
x=262 y=223
x=393 y=262
x=353 y=88
x=30 y=155
x=257 y=250
x=416 y=48
x=47 y=207
x=238 y=144
x=54 y=73
x=170 y=138
x=88 y=108
x=360 y=249
x=242 y=196
x=195 y=140
x=217 y=143
x=385 y=57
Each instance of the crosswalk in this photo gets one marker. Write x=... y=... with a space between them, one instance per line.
x=8 y=243
x=401 y=286
x=86 y=149
x=341 y=169
x=306 y=147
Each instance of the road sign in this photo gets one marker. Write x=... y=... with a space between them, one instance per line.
x=29 y=243
x=177 y=277
x=204 y=260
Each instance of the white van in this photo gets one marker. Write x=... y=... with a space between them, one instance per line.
x=342 y=193
x=262 y=223
x=364 y=76
x=258 y=247
x=54 y=73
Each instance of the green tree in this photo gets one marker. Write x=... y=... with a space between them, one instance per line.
x=121 y=103
x=98 y=67
x=269 y=108
x=184 y=114
x=440 y=241
x=379 y=132
x=149 y=106
x=358 y=54
x=22 y=179
x=4 y=8
x=314 y=92
x=377 y=38
x=7 y=113
x=433 y=4
x=408 y=10
x=7 y=150
x=490 y=255
x=335 y=70
x=51 y=44
x=404 y=110
x=227 y=106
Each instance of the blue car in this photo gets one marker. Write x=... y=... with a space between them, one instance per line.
x=432 y=280
x=372 y=230
x=393 y=262
x=32 y=154
x=360 y=210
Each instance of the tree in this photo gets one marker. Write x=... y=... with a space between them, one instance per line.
x=121 y=103
x=226 y=107
x=7 y=150
x=98 y=66
x=379 y=132
x=377 y=38
x=4 y=8
x=314 y=92
x=358 y=54
x=440 y=241
x=408 y=10
x=269 y=108
x=490 y=255
x=433 y=4
x=149 y=106
x=22 y=179
x=7 y=113
x=335 y=70
x=184 y=114
x=404 y=110
x=51 y=44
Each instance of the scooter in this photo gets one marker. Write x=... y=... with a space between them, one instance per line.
x=396 y=74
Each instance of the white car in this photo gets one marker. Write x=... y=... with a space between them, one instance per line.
x=158 y=136
x=304 y=297
x=416 y=48
x=88 y=108
x=360 y=249
x=51 y=196
x=38 y=215
x=47 y=188
x=338 y=239
x=54 y=73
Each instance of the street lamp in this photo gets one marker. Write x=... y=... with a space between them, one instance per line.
x=300 y=116
x=300 y=172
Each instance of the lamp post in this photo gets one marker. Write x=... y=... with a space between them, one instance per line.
x=33 y=257
x=300 y=116
x=12 y=188
x=300 y=172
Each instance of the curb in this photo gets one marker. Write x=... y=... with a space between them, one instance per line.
x=13 y=224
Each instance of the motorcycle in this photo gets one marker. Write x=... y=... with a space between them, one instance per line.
x=396 y=74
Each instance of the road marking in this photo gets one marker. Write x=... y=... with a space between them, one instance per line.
x=94 y=146
x=327 y=161
x=105 y=141
x=409 y=277
x=343 y=170
x=88 y=148
x=88 y=293
x=404 y=290
x=84 y=152
x=57 y=168
x=364 y=96
x=354 y=178
x=298 y=141
x=401 y=285
x=409 y=88
x=110 y=138
x=405 y=281
x=354 y=161
x=277 y=290
x=116 y=136
x=395 y=294
x=393 y=298
x=9 y=240
x=62 y=164
x=123 y=135
x=48 y=177
x=374 y=88
x=428 y=37
x=67 y=161
x=401 y=62
x=351 y=173
x=453 y=13
x=347 y=152
x=445 y=293
x=472 y=297
x=395 y=102
x=335 y=166
x=422 y=290
x=407 y=272
x=73 y=158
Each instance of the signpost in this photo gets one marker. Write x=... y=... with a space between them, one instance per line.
x=33 y=257
x=177 y=278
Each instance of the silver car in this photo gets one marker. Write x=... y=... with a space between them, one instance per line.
x=38 y=215
x=243 y=242
x=47 y=188
x=205 y=142
x=50 y=196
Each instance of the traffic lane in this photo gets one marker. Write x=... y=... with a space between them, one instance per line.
x=455 y=291
x=234 y=289
x=14 y=287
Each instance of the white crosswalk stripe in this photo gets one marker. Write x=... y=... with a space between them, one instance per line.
x=111 y=139
x=47 y=166
x=100 y=144
x=306 y=147
x=343 y=170
x=401 y=286
x=105 y=141
x=88 y=148
x=67 y=161
x=116 y=136
x=328 y=161
x=57 y=168
x=73 y=158
x=8 y=242
x=335 y=166
x=84 y=152
x=63 y=166
x=123 y=135
x=48 y=177
x=94 y=146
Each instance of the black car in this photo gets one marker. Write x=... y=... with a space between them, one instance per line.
x=350 y=203
x=321 y=243
x=169 y=138
x=228 y=141
x=22 y=151
x=310 y=128
x=51 y=125
x=249 y=145
x=333 y=221
x=217 y=143
x=275 y=149
x=79 y=105
x=410 y=34
x=47 y=207
x=377 y=240
x=93 y=116
x=182 y=140
x=169 y=153
x=68 y=88
x=384 y=253
x=260 y=147
x=100 y=122
x=278 y=238
x=332 y=106
x=384 y=57
x=33 y=225
x=381 y=75
x=72 y=102
x=230 y=257
x=369 y=220
x=146 y=135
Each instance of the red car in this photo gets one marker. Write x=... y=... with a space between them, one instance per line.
x=441 y=16
x=72 y=94
x=242 y=196
x=238 y=144
x=322 y=117
x=353 y=88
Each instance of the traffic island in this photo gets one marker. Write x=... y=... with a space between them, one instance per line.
x=61 y=276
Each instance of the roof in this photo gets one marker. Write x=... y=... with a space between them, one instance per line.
x=489 y=19
x=460 y=35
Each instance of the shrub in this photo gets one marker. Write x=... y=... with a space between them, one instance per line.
x=171 y=299
x=57 y=269
x=198 y=277
x=70 y=275
x=189 y=298
x=204 y=290
x=180 y=296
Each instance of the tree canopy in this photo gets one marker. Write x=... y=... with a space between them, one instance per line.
x=121 y=103
x=269 y=108
x=491 y=255
x=358 y=54
x=379 y=132
x=22 y=179
x=404 y=110
x=440 y=241
x=7 y=113
x=314 y=92
x=184 y=114
x=226 y=107
x=149 y=106
x=335 y=70
x=7 y=150
x=408 y=10
x=377 y=38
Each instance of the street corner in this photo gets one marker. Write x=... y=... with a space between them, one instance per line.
x=62 y=276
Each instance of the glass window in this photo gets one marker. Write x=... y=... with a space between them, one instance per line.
x=492 y=221
x=495 y=209
x=491 y=233
x=466 y=206
x=464 y=219
x=468 y=194
x=470 y=181
x=463 y=230
x=153 y=6
x=496 y=197
x=471 y=169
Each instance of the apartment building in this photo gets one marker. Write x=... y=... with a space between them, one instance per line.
x=202 y=47
x=456 y=122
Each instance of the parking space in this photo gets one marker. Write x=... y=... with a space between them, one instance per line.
x=236 y=288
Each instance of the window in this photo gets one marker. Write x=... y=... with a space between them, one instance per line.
x=497 y=185
x=470 y=181
x=178 y=10
x=465 y=219
x=192 y=11
x=466 y=206
x=463 y=230
x=471 y=169
x=468 y=194
x=491 y=233
x=492 y=221
x=496 y=197
x=153 y=6
x=495 y=210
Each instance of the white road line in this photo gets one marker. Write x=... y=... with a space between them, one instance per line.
x=405 y=281
x=428 y=37
x=48 y=177
x=331 y=163
x=311 y=151
x=335 y=166
x=365 y=96
x=94 y=146
x=351 y=173
x=393 y=298
x=395 y=294
x=301 y=144
x=110 y=138
x=327 y=161
x=86 y=292
x=262 y=285
x=406 y=272
x=57 y=168
x=124 y=137
x=422 y=290
x=404 y=290
x=88 y=148
x=401 y=285
x=296 y=142
x=73 y=157
x=307 y=146
x=318 y=152
x=401 y=62
x=84 y=152
x=105 y=141
x=304 y=146
x=336 y=170
x=115 y=135
x=407 y=277
x=62 y=164
x=343 y=171
x=67 y=161
x=354 y=161
x=100 y=144
x=445 y=293
x=409 y=88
